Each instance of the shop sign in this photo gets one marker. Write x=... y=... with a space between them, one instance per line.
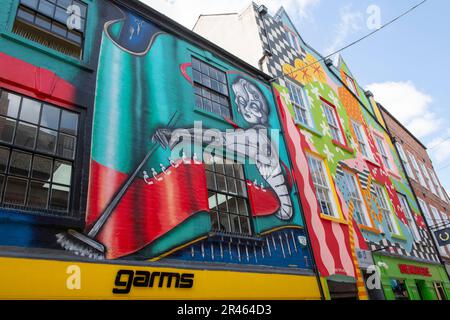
x=414 y=270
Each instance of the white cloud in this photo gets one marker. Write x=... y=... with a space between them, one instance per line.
x=187 y=12
x=439 y=148
x=409 y=105
x=350 y=23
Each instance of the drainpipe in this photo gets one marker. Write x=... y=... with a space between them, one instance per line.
x=316 y=270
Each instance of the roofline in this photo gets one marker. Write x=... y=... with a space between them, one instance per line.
x=171 y=26
x=213 y=15
x=383 y=109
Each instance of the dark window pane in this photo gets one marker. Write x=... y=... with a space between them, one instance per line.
x=38 y=195
x=30 y=3
x=210 y=181
x=224 y=223
x=221 y=183
x=242 y=205
x=215 y=221
x=213 y=74
x=245 y=225
x=241 y=188
x=231 y=184
x=42 y=168
x=198 y=101
x=69 y=122
x=206 y=81
x=74 y=36
x=205 y=69
x=235 y=224
x=197 y=76
x=26 y=135
x=239 y=171
x=66 y=146
x=47 y=8
x=30 y=111
x=232 y=205
x=195 y=64
x=207 y=105
x=214 y=85
x=15 y=191
x=20 y=164
x=61 y=15
x=221 y=77
x=229 y=168
x=43 y=22
x=59 y=29
x=64 y=3
x=62 y=173
x=4 y=157
x=7 y=127
x=50 y=117
x=212 y=201
x=59 y=198
x=2 y=183
x=9 y=105
x=82 y=8
x=47 y=141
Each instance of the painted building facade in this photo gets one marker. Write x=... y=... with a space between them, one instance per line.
x=358 y=204
x=431 y=196
x=132 y=142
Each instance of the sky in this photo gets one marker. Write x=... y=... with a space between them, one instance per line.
x=406 y=65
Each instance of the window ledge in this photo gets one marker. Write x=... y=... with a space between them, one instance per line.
x=333 y=219
x=55 y=54
x=344 y=147
x=309 y=129
x=369 y=229
x=210 y=115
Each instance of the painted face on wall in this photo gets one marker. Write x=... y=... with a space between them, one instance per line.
x=250 y=101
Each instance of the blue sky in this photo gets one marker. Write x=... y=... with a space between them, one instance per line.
x=405 y=65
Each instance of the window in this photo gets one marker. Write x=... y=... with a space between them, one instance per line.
x=211 y=89
x=362 y=140
x=399 y=289
x=299 y=100
x=426 y=212
x=37 y=153
x=383 y=202
x=351 y=84
x=360 y=211
x=427 y=178
x=437 y=185
x=383 y=152
x=333 y=122
x=228 y=200
x=409 y=217
x=404 y=159
x=440 y=292
x=45 y=22
x=323 y=187
x=417 y=170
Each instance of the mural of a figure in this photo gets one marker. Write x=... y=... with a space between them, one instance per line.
x=252 y=143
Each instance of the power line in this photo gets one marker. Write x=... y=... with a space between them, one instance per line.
x=438 y=144
x=354 y=42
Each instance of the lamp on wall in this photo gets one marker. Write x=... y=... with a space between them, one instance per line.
x=262 y=9
x=329 y=62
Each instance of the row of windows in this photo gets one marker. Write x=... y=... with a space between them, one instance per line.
x=37 y=152
x=325 y=194
x=426 y=177
x=57 y=24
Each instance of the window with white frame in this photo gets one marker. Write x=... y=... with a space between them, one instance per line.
x=425 y=211
x=386 y=208
x=435 y=214
x=404 y=159
x=409 y=217
x=417 y=170
x=355 y=196
x=427 y=178
x=437 y=185
x=300 y=102
x=322 y=184
x=333 y=122
x=351 y=84
x=362 y=140
x=383 y=152
x=294 y=41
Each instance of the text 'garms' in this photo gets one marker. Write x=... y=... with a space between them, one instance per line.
x=126 y=279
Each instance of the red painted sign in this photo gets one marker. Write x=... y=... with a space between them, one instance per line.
x=414 y=270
